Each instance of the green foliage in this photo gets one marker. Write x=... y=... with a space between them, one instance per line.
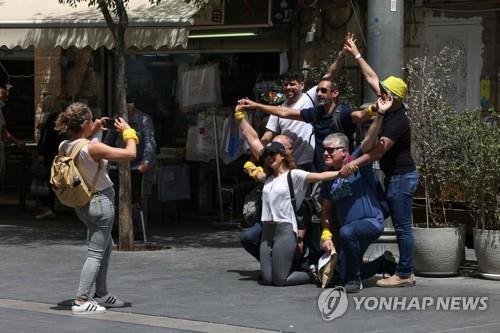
x=347 y=92
x=429 y=80
x=475 y=157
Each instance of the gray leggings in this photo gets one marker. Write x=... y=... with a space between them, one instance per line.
x=98 y=215
x=277 y=251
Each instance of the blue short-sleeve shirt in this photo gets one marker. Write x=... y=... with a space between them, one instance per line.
x=355 y=197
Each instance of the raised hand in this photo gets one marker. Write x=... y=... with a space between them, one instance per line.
x=384 y=104
x=350 y=44
x=246 y=103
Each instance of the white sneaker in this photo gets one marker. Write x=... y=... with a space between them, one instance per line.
x=110 y=301
x=88 y=308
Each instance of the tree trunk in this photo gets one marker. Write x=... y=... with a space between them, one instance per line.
x=126 y=236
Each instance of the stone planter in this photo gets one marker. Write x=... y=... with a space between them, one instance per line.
x=438 y=252
x=487 y=248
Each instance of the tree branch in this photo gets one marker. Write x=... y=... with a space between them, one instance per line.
x=103 y=6
x=122 y=13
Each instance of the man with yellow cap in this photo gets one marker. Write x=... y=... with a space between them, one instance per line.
x=394 y=152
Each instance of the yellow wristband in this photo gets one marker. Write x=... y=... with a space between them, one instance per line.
x=257 y=171
x=326 y=235
x=130 y=134
x=371 y=112
x=248 y=165
x=239 y=115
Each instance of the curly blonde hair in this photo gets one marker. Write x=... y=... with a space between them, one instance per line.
x=70 y=121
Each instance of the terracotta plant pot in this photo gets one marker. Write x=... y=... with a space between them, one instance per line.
x=438 y=252
x=487 y=248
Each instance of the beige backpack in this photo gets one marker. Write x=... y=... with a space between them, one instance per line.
x=66 y=180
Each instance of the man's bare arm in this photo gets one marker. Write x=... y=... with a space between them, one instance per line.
x=279 y=111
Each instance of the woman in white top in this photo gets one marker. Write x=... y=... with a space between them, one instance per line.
x=280 y=234
x=98 y=215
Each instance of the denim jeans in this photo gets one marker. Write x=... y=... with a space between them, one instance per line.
x=355 y=238
x=250 y=239
x=98 y=215
x=399 y=192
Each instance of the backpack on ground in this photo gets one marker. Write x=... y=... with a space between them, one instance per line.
x=66 y=180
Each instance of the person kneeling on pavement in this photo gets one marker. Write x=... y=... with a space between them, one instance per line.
x=359 y=213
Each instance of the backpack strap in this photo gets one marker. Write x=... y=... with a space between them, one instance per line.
x=76 y=150
x=312 y=101
x=292 y=192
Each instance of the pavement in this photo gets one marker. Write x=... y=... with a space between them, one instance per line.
x=205 y=282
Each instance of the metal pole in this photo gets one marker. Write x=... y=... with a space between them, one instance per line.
x=221 y=207
x=385 y=40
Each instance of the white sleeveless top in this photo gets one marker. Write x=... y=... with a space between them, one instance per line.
x=88 y=167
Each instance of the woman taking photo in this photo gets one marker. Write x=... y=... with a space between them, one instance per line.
x=280 y=234
x=98 y=214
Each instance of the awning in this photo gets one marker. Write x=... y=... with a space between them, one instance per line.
x=48 y=24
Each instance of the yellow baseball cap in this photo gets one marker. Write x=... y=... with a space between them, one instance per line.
x=395 y=86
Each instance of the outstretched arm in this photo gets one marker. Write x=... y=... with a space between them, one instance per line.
x=313 y=177
x=250 y=135
x=370 y=76
x=372 y=148
x=279 y=111
x=334 y=69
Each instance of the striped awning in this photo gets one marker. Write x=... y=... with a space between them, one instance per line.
x=48 y=24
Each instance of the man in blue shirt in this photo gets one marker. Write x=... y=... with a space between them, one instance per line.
x=359 y=216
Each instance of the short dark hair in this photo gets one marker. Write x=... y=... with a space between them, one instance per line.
x=333 y=84
x=292 y=76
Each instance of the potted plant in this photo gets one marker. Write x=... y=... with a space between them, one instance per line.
x=439 y=243
x=476 y=159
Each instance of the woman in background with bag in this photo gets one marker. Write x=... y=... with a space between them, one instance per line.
x=98 y=214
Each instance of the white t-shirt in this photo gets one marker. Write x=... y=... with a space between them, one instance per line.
x=276 y=201
x=313 y=94
x=88 y=167
x=299 y=131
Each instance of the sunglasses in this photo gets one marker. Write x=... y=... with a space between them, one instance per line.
x=331 y=150
x=323 y=90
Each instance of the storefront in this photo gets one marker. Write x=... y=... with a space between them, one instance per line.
x=71 y=60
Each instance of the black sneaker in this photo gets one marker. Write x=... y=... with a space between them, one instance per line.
x=353 y=286
x=389 y=263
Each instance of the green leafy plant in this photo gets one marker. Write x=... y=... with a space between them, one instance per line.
x=429 y=82
x=475 y=157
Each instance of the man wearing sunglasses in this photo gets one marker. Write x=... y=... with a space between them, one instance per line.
x=394 y=151
x=359 y=219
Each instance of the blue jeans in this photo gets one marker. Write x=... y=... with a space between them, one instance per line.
x=355 y=238
x=250 y=239
x=399 y=192
x=98 y=215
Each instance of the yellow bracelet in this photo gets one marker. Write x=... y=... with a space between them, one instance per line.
x=239 y=115
x=257 y=171
x=371 y=112
x=130 y=134
x=326 y=235
x=248 y=165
